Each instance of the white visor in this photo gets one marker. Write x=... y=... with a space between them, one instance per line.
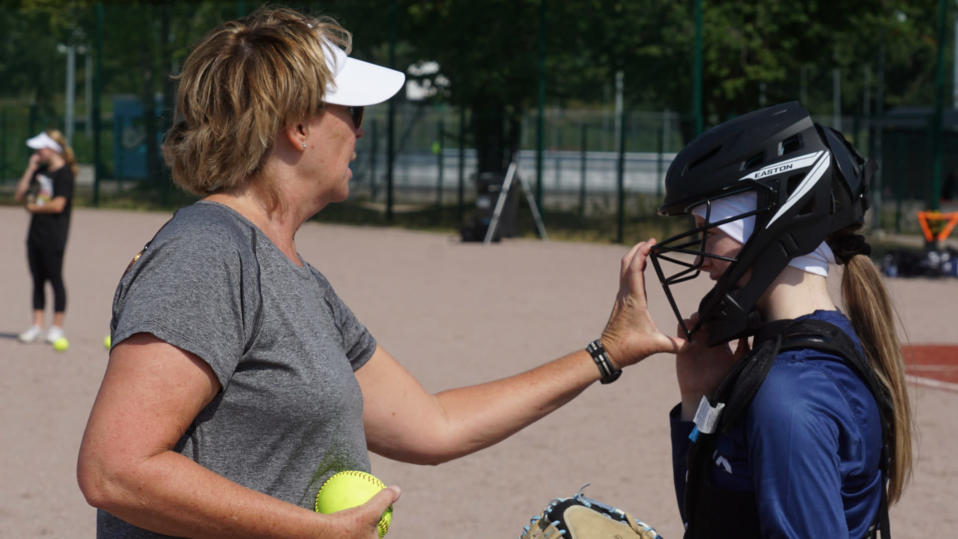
x=357 y=83
x=44 y=140
x=740 y=230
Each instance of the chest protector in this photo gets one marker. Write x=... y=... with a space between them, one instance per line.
x=715 y=513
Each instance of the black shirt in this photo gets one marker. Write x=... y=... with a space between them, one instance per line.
x=51 y=228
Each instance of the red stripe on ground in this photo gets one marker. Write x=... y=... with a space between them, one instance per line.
x=938 y=362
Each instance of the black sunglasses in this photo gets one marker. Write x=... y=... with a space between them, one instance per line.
x=357 y=115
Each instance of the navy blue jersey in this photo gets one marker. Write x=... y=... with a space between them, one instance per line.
x=808 y=447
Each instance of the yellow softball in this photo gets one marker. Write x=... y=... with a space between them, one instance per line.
x=348 y=489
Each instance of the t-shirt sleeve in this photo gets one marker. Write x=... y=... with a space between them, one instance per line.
x=187 y=290
x=358 y=342
x=793 y=445
x=63 y=183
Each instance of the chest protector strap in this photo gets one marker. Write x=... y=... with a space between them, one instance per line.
x=715 y=513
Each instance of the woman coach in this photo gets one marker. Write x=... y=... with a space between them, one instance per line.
x=238 y=380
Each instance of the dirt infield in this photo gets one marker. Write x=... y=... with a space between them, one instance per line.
x=454 y=314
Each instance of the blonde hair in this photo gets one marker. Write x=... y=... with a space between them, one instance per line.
x=242 y=83
x=871 y=313
x=67 y=152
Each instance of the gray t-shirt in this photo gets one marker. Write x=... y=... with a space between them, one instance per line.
x=282 y=344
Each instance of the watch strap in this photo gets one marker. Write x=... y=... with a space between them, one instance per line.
x=607 y=370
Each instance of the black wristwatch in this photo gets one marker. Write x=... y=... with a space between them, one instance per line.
x=609 y=372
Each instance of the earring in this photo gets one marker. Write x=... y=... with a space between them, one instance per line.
x=304 y=145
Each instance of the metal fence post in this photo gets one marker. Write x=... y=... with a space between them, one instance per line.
x=558 y=158
x=95 y=116
x=439 y=151
x=899 y=187
x=391 y=119
x=936 y=146
x=3 y=144
x=462 y=163
x=541 y=98
x=374 y=135
x=879 y=134
x=697 y=71
x=659 y=165
x=620 y=183
x=583 y=146
x=33 y=119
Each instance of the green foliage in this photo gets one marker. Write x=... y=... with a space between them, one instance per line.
x=754 y=52
x=490 y=51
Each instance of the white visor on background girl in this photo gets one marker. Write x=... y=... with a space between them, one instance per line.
x=42 y=141
x=357 y=83
x=740 y=230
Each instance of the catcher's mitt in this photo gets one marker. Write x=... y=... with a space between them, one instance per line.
x=579 y=517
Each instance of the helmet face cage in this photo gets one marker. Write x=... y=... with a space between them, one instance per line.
x=693 y=243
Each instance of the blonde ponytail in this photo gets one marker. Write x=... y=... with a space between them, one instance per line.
x=67 y=153
x=872 y=316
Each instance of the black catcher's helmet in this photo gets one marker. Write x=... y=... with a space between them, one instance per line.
x=809 y=183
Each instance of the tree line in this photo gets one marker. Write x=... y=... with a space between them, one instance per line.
x=499 y=59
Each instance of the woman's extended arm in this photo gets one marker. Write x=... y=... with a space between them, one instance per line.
x=150 y=395
x=407 y=423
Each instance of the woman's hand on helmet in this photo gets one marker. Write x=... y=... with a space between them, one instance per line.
x=630 y=334
x=700 y=368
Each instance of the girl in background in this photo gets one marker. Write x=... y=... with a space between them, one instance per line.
x=47 y=187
